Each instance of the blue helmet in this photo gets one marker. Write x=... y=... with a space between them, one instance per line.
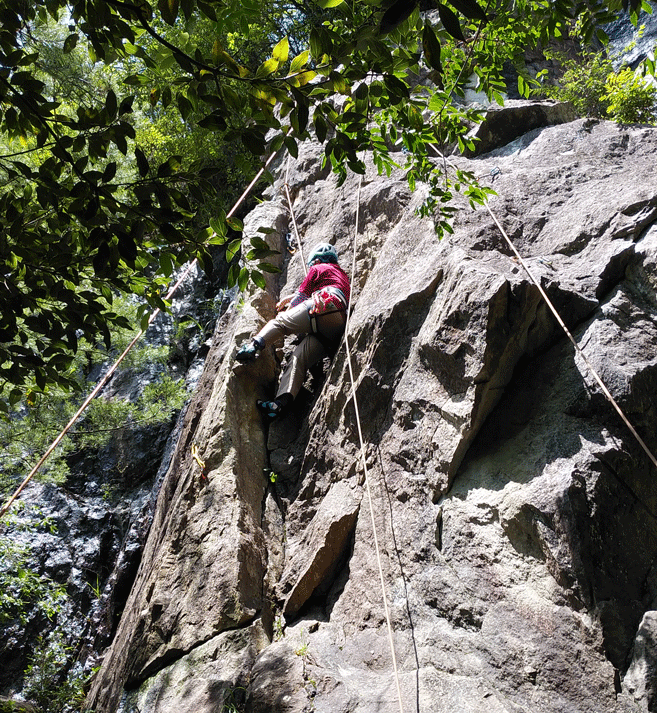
x=323 y=253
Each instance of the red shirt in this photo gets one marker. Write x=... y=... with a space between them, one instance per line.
x=324 y=274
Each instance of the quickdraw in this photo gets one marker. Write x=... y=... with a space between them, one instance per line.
x=201 y=463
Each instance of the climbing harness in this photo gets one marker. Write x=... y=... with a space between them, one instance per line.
x=118 y=362
x=328 y=299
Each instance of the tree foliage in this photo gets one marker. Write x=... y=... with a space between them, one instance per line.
x=601 y=86
x=24 y=438
x=92 y=206
x=631 y=100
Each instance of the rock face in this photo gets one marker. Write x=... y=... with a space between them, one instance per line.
x=515 y=515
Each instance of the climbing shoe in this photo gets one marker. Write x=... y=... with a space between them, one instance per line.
x=248 y=352
x=272 y=409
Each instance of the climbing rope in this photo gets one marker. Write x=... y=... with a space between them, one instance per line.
x=560 y=321
x=117 y=363
x=294 y=222
x=578 y=349
x=364 y=459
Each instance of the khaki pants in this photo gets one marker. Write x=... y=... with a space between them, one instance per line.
x=297 y=321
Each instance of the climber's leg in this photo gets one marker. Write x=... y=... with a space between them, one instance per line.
x=313 y=348
x=292 y=321
x=302 y=358
x=331 y=326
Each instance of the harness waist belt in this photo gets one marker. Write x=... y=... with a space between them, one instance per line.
x=327 y=299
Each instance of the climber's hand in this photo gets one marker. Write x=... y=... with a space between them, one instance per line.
x=282 y=305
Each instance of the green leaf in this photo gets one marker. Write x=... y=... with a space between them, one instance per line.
x=282 y=51
x=70 y=42
x=127 y=248
x=101 y=259
x=315 y=43
x=109 y=172
x=291 y=146
x=235 y=224
x=268 y=67
x=450 y=22
x=184 y=106
x=214 y=122
x=321 y=127
x=205 y=260
x=258 y=243
x=431 y=47
x=137 y=80
x=233 y=274
x=232 y=249
x=469 y=9
x=166 y=264
x=299 y=62
x=169 y=10
x=397 y=13
x=218 y=224
x=111 y=105
x=243 y=279
x=259 y=279
x=142 y=162
x=326 y=4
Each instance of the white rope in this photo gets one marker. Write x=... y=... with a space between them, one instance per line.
x=117 y=363
x=364 y=457
x=562 y=324
x=553 y=309
x=294 y=222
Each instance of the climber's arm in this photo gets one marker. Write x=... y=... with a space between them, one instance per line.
x=297 y=299
x=306 y=288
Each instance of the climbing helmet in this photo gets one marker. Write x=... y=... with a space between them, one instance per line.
x=324 y=253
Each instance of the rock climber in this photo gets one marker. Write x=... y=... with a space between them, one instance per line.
x=318 y=309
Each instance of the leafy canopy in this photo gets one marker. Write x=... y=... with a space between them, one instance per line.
x=94 y=201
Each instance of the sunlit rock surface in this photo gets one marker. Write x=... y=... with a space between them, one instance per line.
x=515 y=513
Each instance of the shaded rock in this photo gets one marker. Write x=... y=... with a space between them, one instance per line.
x=220 y=549
x=209 y=678
x=277 y=682
x=315 y=557
x=503 y=124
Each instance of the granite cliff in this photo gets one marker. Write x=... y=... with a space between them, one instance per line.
x=516 y=515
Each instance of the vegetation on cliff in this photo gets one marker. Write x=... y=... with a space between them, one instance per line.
x=127 y=128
